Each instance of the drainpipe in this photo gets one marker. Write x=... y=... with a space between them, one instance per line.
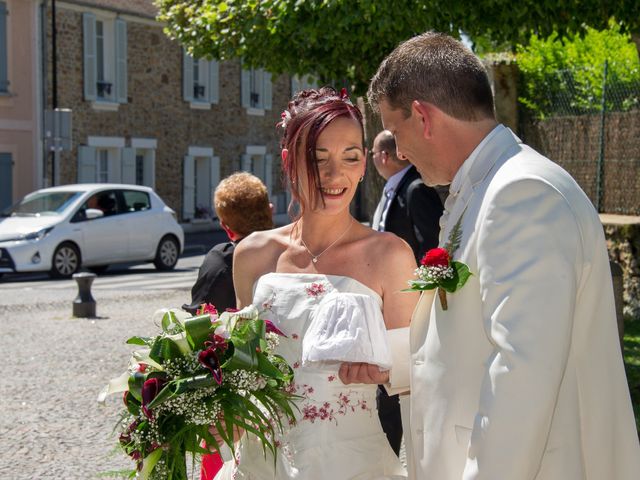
x=54 y=82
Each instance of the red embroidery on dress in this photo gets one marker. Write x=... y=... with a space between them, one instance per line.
x=315 y=289
x=331 y=378
x=295 y=336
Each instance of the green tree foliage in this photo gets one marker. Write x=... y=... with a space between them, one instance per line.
x=565 y=75
x=345 y=40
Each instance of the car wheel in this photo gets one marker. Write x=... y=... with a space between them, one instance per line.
x=167 y=253
x=98 y=269
x=66 y=261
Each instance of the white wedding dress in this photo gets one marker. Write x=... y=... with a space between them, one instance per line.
x=337 y=435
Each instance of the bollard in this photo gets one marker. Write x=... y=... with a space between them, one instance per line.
x=84 y=305
x=618 y=287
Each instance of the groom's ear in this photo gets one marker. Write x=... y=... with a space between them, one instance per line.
x=424 y=114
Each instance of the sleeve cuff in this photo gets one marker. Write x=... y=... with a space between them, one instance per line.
x=399 y=375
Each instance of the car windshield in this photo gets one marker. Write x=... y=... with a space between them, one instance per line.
x=43 y=203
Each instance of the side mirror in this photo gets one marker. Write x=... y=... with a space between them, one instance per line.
x=92 y=213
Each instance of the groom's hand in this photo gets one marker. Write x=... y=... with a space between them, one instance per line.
x=362 y=373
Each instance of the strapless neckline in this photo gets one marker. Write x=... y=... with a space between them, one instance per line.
x=326 y=276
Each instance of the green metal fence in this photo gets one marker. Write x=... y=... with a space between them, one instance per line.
x=593 y=131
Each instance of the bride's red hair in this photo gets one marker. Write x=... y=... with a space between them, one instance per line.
x=306 y=116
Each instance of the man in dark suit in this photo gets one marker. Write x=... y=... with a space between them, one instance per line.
x=412 y=211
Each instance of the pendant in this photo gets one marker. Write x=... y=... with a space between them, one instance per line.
x=314 y=259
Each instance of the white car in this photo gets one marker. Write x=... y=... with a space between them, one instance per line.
x=61 y=229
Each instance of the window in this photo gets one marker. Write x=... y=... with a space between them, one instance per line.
x=257 y=162
x=135 y=201
x=105 y=59
x=4 y=74
x=256 y=89
x=103 y=166
x=200 y=77
x=201 y=176
x=139 y=169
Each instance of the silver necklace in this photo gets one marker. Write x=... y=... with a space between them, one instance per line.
x=314 y=258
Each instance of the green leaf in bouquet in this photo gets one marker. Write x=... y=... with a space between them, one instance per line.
x=133 y=404
x=192 y=383
x=165 y=349
x=145 y=341
x=242 y=356
x=135 y=385
x=197 y=330
x=268 y=369
x=167 y=319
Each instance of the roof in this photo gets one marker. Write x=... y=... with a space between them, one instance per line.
x=143 y=8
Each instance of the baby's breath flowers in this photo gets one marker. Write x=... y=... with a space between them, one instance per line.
x=211 y=369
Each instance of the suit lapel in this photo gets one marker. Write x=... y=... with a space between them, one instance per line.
x=495 y=149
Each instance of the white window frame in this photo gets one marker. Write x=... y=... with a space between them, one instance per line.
x=208 y=72
x=194 y=181
x=257 y=162
x=89 y=164
x=256 y=90
x=114 y=60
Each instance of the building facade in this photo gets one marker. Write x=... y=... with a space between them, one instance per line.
x=145 y=112
x=20 y=106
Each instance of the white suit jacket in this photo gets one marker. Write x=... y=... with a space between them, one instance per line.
x=522 y=377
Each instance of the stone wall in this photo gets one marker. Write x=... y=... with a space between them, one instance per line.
x=156 y=108
x=623 y=243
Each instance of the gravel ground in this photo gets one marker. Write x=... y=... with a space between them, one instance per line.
x=51 y=425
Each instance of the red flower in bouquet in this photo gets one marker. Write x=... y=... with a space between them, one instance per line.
x=271 y=328
x=436 y=257
x=150 y=390
x=209 y=359
x=207 y=308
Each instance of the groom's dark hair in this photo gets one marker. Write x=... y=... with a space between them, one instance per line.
x=437 y=69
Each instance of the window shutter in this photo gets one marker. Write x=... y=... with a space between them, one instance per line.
x=268 y=172
x=115 y=165
x=87 y=169
x=187 y=76
x=129 y=166
x=89 y=49
x=6 y=180
x=149 y=174
x=215 y=174
x=214 y=89
x=245 y=163
x=121 y=60
x=266 y=90
x=188 y=188
x=4 y=72
x=245 y=88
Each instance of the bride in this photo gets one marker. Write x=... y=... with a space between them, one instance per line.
x=328 y=272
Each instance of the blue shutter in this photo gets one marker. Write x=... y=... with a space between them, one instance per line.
x=6 y=180
x=188 y=188
x=87 y=168
x=4 y=73
x=214 y=96
x=266 y=90
x=121 y=61
x=245 y=87
x=89 y=50
x=187 y=76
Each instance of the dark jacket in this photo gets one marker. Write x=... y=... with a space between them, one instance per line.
x=215 y=280
x=414 y=213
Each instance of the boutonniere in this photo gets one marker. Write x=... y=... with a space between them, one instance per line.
x=438 y=270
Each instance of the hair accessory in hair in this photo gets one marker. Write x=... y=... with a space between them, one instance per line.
x=344 y=96
x=286 y=116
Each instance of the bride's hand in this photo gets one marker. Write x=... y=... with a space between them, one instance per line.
x=362 y=373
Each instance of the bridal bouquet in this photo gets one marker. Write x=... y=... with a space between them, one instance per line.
x=200 y=371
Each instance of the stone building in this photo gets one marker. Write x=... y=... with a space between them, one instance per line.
x=144 y=112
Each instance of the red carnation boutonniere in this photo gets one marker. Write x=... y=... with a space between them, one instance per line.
x=437 y=270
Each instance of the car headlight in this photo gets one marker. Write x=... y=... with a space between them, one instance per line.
x=39 y=235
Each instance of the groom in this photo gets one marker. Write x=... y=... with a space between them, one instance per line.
x=521 y=377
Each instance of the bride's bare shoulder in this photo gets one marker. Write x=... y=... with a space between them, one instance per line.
x=263 y=246
x=384 y=244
